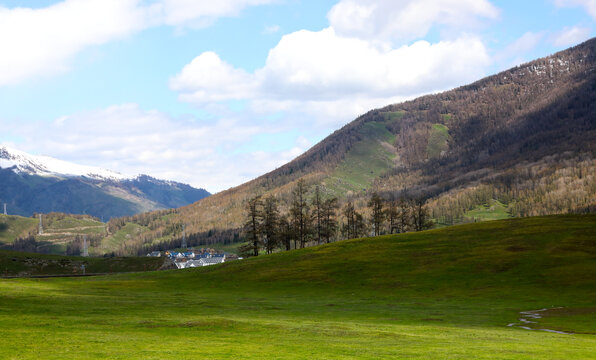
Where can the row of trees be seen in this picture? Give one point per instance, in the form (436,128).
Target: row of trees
(317,219)
(267,227)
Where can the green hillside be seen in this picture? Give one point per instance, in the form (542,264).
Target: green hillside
(514,144)
(59,231)
(12,226)
(446,293)
(16,263)
(365,161)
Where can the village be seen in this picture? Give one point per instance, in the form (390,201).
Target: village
(195,258)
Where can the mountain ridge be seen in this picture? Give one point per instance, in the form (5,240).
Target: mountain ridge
(34,183)
(521,141)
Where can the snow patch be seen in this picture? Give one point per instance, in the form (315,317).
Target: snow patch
(23,162)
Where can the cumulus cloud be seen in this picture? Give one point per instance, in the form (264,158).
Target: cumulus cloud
(391,20)
(209,79)
(316,78)
(571,36)
(39,42)
(131,140)
(588,5)
(321,71)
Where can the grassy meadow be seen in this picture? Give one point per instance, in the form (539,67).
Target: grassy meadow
(446,293)
(16,263)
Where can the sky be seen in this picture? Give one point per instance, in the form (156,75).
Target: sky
(215,93)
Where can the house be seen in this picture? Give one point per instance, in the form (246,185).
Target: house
(214,259)
(155,254)
(193,263)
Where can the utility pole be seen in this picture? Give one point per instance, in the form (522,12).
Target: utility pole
(40,225)
(85,249)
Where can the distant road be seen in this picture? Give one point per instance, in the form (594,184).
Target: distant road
(62,275)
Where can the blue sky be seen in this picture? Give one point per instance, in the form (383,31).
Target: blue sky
(216,93)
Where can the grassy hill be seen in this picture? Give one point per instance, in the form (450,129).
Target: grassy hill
(60,231)
(524,139)
(445,293)
(16,263)
(12,226)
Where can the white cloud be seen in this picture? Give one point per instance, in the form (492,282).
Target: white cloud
(211,79)
(333,76)
(271,29)
(571,36)
(390,20)
(195,13)
(588,5)
(41,42)
(131,140)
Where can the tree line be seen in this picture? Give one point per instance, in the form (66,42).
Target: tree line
(317,219)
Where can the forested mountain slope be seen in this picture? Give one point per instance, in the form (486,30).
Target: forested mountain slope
(523,140)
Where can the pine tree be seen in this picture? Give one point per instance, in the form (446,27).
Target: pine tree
(270,225)
(317,204)
(378,215)
(392,214)
(329,223)
(286,232)
(349,213)
(253,222)
(421,219)
(404,216)
(300,213)
(359,225)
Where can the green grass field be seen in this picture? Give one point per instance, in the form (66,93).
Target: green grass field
(496,210)
(440,294)
(13,263)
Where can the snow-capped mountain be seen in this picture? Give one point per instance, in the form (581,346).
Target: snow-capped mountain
(33,183)
(49,166)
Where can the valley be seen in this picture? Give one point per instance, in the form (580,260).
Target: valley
(264,179)
(445,293)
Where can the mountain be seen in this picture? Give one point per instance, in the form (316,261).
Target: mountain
(33,184)
(518,143)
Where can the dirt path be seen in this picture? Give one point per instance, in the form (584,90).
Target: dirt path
(526,319)
(51,232)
